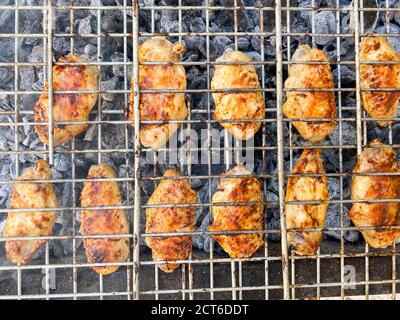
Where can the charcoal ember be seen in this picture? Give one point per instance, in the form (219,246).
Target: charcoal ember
(325,22)
(108,85)
(85,26)
(109,24)
(337,218)
(118,70)
(62,162)
(7,50)
(197,25)
(397,15)
(192,44)
(61,46)
(221,43)
(36,54)
(256,40)
(6,77)
(90,50)
(348,135)
(27,76)
(393,29)
(306,15)
(7,19)
(389,14)
(243,44)
(212,50)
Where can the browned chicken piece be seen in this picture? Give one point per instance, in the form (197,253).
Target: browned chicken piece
(171,219)
(67,107)
(241,217)
(103,222)
(30,195)
(160,106)
(379,104)
(312,104)
(307,216)
(237,105)
(384,214)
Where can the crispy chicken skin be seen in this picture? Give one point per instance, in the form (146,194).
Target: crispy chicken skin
(379,104)
(374,160)
(103,222)
(239,105)
(34,223)
(306,216)
(67,107)
(238,217)
(159,106)
(170,219)
(310,104)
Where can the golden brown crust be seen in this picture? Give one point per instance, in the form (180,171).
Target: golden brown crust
(306,216)
(34,223)
(374,160)
(159,106)
(310,104)
(240,105)
(238,217)
(170,219)
(67,107)
(103,222)
(377,103)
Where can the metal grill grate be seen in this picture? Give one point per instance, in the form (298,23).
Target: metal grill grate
(273,272)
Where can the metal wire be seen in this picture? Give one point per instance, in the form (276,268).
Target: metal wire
(140,268)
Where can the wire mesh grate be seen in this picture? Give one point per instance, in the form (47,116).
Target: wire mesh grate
(38,32)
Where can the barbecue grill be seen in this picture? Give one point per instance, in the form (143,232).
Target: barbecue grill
(36,32)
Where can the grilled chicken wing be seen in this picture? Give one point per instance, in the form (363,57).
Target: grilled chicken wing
(238,217)
(379,104)
(310,104)
(34,223)
(239,105)
(103,222)
(160,106)
(306,216)
(375,160)
(67,107)
(170,219)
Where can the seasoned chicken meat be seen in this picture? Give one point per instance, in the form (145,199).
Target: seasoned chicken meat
(374,159)
(241,217)
(237,105)
(306,216)
(67,107)
(30,195)
(103,222)
(171,219)
(379,104)
(160,106)
(312,104)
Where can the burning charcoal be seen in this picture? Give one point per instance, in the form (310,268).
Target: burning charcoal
(213,50)
(221,43)
(62,162)
(27,76)
(325,22)
(109,24)
(36,54)
(394,29)
(7,20)
(108,85)
(84,26)
(348,134)
(333,220)
(90,50)
(197,25)
(118,70)
(256,40)
(243,44)
(390,14)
